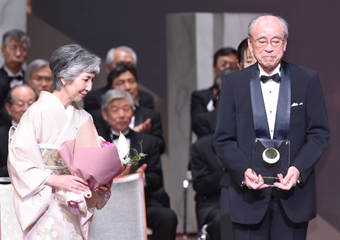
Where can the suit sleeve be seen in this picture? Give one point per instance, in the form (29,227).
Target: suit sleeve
(225,138)
(317,132)
(205,178)
(157,131)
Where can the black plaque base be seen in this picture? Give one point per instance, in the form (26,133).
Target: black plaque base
(264,163)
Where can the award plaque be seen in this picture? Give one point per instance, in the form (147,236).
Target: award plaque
(269,158)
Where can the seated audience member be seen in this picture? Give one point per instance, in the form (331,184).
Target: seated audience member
(207,171)
(245,58)
(39,76)
(144,120)
(117,110)
(15,44)
(118,56)
(18,100)
(202,100)
(204,123)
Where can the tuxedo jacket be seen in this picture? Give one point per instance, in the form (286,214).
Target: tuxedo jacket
(4,86)
(204,124)
(207,171)
(308,135)
(5,118)
(4,149)
(153,172)
(93,100)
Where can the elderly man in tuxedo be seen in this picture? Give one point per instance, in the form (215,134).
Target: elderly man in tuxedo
(286,104)
(121,55)
(18,100)
(15,45)
(117,110)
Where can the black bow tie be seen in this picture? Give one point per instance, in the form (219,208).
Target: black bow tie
(12,78)
(114,136)
(276,78)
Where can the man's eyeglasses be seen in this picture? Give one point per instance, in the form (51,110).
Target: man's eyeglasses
(15,48)
(41,78)
(262,42)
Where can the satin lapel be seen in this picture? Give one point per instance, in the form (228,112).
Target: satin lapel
(284,104)
(257,103)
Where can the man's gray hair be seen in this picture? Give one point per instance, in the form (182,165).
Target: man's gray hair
(114,94)
(34,65)
(110,55)
(17,35)
(71,60)
(283,22)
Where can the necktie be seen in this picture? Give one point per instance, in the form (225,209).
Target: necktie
(276,78)
(114,136)
(17,78)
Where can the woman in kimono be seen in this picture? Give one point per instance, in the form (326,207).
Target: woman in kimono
(49,122)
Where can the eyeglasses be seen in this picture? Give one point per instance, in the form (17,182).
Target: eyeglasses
(15,48)
(39,79)
(262,42)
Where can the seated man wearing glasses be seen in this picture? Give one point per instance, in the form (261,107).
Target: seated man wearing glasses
(39,76)
(18,100)
(15,44)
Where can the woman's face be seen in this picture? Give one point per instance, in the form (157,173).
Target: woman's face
(80,86)
(248,59)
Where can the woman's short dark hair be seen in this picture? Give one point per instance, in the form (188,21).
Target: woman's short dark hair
(119,69)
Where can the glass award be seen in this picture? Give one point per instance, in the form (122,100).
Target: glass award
(269,158)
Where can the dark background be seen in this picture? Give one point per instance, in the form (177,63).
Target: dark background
(313,42)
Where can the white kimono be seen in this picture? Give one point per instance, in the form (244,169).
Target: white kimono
(40,216)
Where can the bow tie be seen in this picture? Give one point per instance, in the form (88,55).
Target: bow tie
(276,78)
(17,78)
(114,136)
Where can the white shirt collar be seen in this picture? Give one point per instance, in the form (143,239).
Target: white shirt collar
(10,74)
(117,134)
(276,70)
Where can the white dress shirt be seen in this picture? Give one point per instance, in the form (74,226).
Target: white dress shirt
(270,92)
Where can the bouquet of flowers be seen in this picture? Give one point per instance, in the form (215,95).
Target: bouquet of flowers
(85,158)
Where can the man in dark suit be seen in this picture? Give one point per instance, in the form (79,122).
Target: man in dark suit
(119,56)
(202,101)
(250,108)
(145,120)
(207,171)
(15,45)
(117,111)
(18,100)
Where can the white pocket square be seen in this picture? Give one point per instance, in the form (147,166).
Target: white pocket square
(297,104)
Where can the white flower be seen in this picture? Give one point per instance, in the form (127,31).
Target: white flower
(122,147)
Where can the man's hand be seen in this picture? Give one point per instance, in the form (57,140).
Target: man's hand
(254,181)
(143,127)
(290,179)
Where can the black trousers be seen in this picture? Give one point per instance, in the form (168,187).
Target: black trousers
(225,221)
(162,221)
(274,226)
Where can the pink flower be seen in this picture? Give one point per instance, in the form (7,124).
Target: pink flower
(106,144)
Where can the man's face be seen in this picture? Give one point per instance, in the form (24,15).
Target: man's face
(14,54)
(120,57)
(118,115)
(224,62)
(41,80)
(126,82)
(22,98)
(267,28)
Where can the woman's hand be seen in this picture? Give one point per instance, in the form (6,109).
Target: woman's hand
(68,182)
(104,188)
